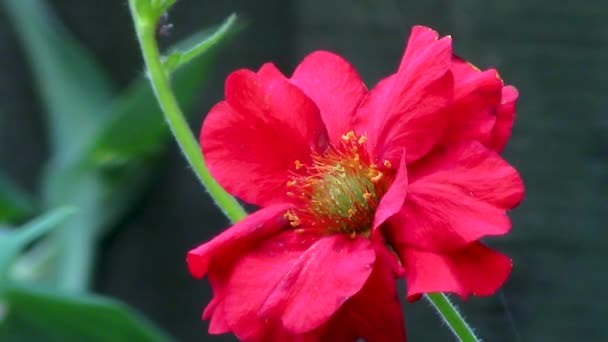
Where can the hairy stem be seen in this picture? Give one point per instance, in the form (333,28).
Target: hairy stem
(145,28)
(451,317)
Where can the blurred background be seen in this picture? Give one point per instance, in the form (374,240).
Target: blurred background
(555,53)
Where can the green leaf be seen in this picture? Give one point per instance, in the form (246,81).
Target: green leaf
(111,170)
(36,314)
(197,45)
(136,127)
(72,85)
(12,242)
(15,204)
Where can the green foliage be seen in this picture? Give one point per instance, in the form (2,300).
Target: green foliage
(15,204)
(13,242)
(135,128)
(103,150)
(197,45)
(71,83)
(105,146)
(34,314)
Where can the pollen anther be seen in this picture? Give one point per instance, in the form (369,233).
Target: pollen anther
(294,220)
(339,191)
(298,164)
(349,136)
(373,173)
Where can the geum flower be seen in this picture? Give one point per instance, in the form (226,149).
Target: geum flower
(356,188)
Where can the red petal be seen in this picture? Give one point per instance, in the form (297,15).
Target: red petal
(288,271)
(236,241)
(334,85)
(251,140)
(330,272)
(392,202)
(474,269)
(476,95)
(217,323)
(405,110)
(374,313)
(461,197)
(505,115)
(269,72)
(476,170)
(253,280)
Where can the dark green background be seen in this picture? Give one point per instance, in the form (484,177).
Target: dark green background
(554,52)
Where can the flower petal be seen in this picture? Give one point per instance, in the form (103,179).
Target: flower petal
(405,110)
(392,202)
(461,197)
(474,269)
(478,171)
(234,242)
(505,116)
(217,319)
(374,313)
(476,95)
(251,140)
(325,276)
(334,85)
(440,219)
(253,279)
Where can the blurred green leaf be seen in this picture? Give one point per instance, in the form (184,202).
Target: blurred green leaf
(136,127)
(197,45)
(103,148)
(12,242)
(15,204)
(35,314)
(73,87)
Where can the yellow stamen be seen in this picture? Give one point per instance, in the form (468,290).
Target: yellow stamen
(349,136)
(298,164)
(294,220)
(351,212)
(376,177)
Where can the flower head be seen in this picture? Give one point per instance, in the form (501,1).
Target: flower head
(356,188)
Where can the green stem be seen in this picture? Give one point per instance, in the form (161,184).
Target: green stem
(146,31)
(452,318)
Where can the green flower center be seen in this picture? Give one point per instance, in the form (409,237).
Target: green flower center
(340,191)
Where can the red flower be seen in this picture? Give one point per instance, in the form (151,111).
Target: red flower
(357,188)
